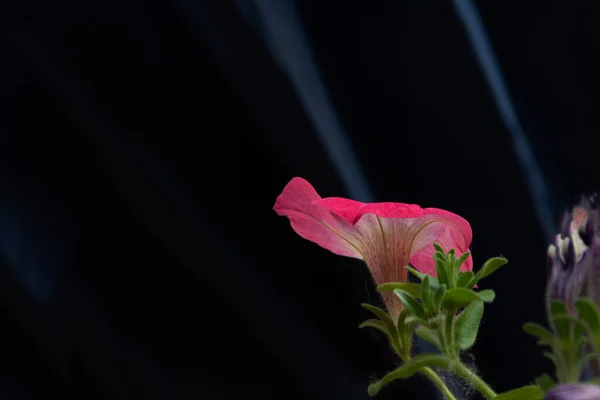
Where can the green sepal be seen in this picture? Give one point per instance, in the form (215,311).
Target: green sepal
(588,313)
(562,326)
(414,289)
(438,249)
(426,297)
(461,260)
(437,298)
(451,263)
(410,302)
(488,268)
(559,365)
(566,322)
(467,325)
(532,392)
(589,357)
(441,269)
(408,369)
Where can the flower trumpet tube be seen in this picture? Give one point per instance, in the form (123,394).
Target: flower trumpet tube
(387,236)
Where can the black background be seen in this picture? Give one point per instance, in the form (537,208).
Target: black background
(143,145)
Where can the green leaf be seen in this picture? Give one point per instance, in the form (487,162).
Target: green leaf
(562,326)
(456,298)
(488,268)
(432,280)
(414,289)
(464,278)
(440,268)
(386,319)
(426,296)
(428,335)
(408,369)
(540,332)
(467,325)
(416,273)
(589,357)
(374,323)
(403,329)
(487,295)
(588,313)
(437,298)
(532,392)
(545,382)
(410,302)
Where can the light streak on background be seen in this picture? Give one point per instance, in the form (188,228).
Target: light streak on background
(286,37)
(467,12)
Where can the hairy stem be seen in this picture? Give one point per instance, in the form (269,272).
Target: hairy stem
(474,380)
(439,382)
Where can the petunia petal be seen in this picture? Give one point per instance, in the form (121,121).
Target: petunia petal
(458,222)
(299,203)
(345,208)
(390,210)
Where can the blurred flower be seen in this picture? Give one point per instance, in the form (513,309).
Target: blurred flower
(574,258)
(574,392)
(387,236)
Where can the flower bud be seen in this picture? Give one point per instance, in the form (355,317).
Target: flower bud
(574,258)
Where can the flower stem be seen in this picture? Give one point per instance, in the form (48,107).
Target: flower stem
(451,351)
(439,382)
(474,380)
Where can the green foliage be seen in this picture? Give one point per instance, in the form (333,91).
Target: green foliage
(488,268)
(411,303)
(569,338)
(408,369)
(545,382)
(532,392)
(414,289)
(445,311)
(467,325)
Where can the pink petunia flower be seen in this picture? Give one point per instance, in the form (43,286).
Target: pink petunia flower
(387,236)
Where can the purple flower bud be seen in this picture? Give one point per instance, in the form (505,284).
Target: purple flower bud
(574,392)
(574,258)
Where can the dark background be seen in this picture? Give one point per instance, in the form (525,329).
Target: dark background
(143,145)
